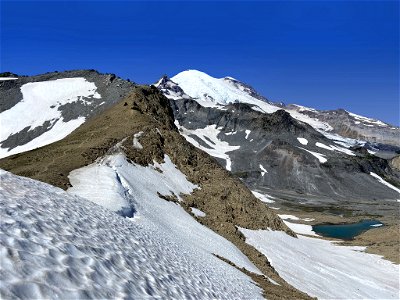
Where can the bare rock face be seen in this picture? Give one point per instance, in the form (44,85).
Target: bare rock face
(280,155)
(354,126)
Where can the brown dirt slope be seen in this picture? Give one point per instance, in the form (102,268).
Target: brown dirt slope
(225,199)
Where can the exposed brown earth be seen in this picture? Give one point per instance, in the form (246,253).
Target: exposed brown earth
(225,200)
(395,163)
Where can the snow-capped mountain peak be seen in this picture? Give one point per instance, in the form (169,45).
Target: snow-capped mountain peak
(334,124)
(170,89)
(217,92)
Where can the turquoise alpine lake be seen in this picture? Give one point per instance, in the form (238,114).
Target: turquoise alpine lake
(345,231)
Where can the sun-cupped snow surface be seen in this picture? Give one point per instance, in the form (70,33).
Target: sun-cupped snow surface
(209,136)
(325,270)
(57,245)
(381,180)
(142,186)
(302,141)
(107,184)
(39,105)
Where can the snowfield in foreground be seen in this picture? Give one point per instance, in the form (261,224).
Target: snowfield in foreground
(325,270)
(57,245)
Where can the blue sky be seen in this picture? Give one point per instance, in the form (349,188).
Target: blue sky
(321,54)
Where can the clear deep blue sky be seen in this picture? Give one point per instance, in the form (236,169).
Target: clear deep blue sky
(320,54)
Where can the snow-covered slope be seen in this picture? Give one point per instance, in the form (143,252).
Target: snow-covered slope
(39,110)
(325,270)
(39,107)
(138,188)
(57,245)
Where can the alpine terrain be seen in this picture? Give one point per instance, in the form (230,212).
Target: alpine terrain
(191,188)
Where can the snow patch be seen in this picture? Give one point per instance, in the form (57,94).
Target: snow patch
(289,217)
(318,144)
(8,78)
(300,228)
(216,147)
(230,133)
(247,133)
(263,170)
(263,197)
(325,270)
(381,180)
(335,148)
(320,156)
(302,141)
(198,212)
(136,143)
